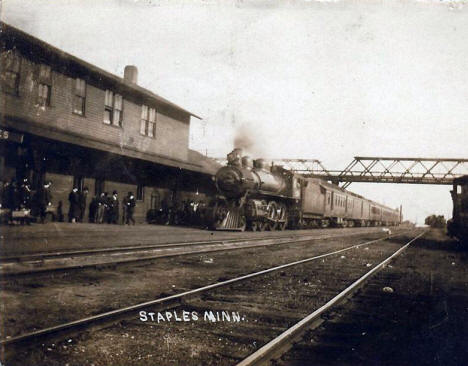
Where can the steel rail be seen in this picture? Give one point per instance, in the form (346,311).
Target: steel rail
(166,302)
(264,241)
(270,350)
(59,254)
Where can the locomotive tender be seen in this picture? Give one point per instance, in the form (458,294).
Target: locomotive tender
(458,225)
(255,196)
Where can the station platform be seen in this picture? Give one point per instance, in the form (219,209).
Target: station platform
(37,238)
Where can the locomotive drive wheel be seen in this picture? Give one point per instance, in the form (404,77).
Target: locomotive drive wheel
(272,210)
(243,224)
(272,226)
(282,225)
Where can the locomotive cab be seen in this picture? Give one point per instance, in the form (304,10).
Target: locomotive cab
(458,225)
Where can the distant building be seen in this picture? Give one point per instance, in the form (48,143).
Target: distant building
(65,120)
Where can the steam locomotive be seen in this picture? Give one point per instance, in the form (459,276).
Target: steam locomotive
(458,225)
(255,196)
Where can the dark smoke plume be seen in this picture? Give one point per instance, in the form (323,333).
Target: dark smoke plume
(243,139)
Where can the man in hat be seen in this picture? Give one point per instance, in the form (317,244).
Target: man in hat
(114,208)
(102,208)
(129,204)
(43,199)
(25,194)
(74,210)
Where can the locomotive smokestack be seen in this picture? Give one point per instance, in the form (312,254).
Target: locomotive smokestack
(234,157)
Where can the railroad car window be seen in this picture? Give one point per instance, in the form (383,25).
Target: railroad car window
(11,73)
(79,98)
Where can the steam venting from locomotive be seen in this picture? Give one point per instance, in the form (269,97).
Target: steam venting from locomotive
(244,140)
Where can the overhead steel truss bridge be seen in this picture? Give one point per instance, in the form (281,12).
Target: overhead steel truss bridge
(381,170)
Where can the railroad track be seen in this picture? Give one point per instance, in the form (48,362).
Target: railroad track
(290,337)
(241,291)
(29,264)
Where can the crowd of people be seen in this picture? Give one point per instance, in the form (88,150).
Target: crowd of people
(21,203)
(104,208)
(187,212)
(19,197)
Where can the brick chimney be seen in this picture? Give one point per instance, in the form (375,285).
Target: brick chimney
(131,74)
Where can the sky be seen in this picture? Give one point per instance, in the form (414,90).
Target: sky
(325,80)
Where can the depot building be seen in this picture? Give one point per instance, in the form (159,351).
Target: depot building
(70,122)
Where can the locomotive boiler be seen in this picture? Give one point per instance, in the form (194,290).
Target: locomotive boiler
(253,195)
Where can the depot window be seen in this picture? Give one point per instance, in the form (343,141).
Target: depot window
(140,193)
(148,121)
(11,73)
(98,186)
(45,86)
(79,97)
(113,109)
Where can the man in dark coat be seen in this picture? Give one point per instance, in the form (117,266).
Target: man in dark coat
(42,199)
(74,210)
(11,193)
(129,204)
(82,198)
(93,209)
(108,209)
(102,208)
(25,194)
(114,208)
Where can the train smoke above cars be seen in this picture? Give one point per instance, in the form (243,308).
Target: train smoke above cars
(243,140)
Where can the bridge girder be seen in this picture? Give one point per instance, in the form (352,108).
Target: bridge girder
(406,170)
